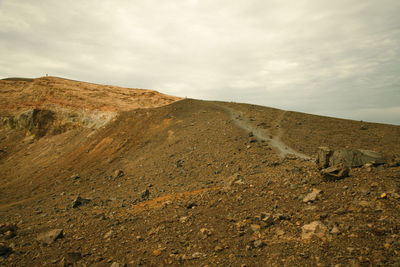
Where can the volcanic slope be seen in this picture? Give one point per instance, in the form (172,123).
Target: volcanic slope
(197,183)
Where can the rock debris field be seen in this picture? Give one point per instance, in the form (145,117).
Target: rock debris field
(94,175)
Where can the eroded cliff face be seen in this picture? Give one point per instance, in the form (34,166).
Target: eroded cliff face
(51,105)
(41,122)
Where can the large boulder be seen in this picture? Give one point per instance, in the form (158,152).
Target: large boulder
(348,157)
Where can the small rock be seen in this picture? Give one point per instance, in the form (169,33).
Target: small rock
(157,252)
(78,201)
(50,236)
(197,255)
(363,127)
(316,228)
(311,197)
(145,194)
(205,232)
(235,179)
(258,243)
(9,234)
(75,176)
(364,204)
(118,174)
(108,234)
(340,211)
(255,228)
(4,250)
(267,218)
(183,219)
(116,264)
(335,173)
(218,249)
(191,205)
(335,230)
(253,140)
(73,256)
(6,227)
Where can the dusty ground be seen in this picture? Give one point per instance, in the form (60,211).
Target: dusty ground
(188,184)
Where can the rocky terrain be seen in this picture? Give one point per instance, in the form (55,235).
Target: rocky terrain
(95,175)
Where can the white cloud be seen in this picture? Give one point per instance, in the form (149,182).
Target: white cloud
(325,57)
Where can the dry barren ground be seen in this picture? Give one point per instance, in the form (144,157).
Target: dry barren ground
(193,183)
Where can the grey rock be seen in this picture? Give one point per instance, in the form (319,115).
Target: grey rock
(348,157)
(50,236)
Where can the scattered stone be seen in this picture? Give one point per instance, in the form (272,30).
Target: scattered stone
(183,219)
(9,234)
(108,234)
(340,211)
(118,174)
(8,230)
(205,232)
(73,256)
(363,127)
(281,217)
(116,264)
(50,236)
(316,228)
(267,218)
(364,204)
(197,255)
(4,250)
(79,201)
(235,179)
(255,228)
(258,243)
(335,173)
(311,197)
(191,205)
(75,176)
(145,194)
(218,249)
(335,230)
(156,252)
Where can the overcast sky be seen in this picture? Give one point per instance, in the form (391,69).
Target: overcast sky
(338,58)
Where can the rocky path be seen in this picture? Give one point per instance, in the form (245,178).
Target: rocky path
(274,139)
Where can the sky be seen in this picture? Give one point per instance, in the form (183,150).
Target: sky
(336,58)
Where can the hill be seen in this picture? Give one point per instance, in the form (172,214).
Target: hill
(140,178)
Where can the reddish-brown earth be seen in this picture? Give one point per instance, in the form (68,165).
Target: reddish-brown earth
(170,183)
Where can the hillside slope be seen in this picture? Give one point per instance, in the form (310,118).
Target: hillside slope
(197,183)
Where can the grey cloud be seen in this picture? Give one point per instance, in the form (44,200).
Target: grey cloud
(336,58)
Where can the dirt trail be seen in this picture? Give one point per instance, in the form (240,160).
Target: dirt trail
(274,139)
